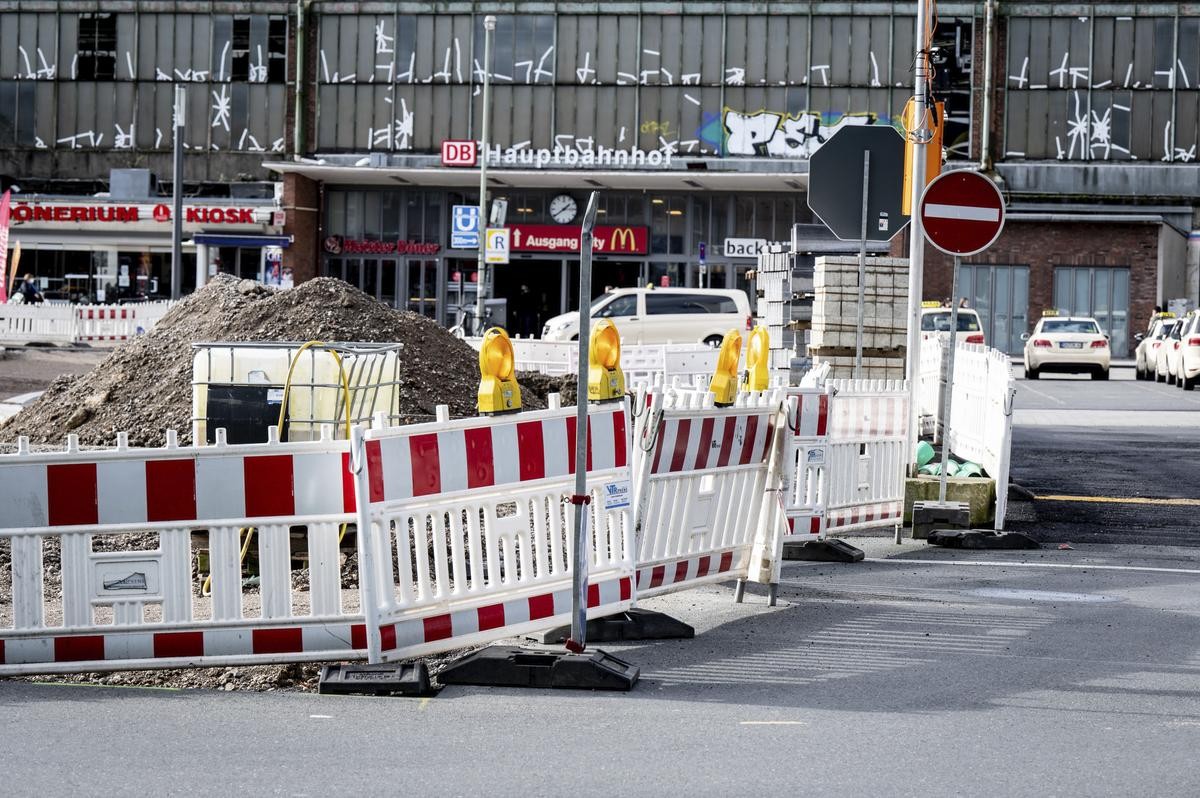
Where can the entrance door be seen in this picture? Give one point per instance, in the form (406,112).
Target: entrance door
(1101,292)
(1001,296)
(421,283)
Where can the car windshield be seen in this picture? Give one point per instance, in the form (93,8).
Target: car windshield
(623,305)
(968,321)
(1070,326)
(1164,329)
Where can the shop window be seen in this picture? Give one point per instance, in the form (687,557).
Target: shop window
(97,47)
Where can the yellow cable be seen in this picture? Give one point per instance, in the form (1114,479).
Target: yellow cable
(206,588)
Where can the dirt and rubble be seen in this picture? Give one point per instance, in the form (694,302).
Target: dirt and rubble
(144,387)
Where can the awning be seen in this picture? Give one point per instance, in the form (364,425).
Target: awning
(214,240)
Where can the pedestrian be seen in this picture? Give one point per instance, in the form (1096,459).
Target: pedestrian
(29,290)
(962,303)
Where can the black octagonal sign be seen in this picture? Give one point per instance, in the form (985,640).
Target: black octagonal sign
(835,182)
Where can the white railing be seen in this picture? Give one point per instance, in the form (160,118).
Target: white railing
(981,415)
(929,385)
(643,364)
(64,324)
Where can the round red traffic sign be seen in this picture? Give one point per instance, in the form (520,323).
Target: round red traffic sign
(962,212)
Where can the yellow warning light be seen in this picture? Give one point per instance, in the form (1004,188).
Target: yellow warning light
(755,378)
(724,381)
(931,303)
(606,381)
(498,389)
(1050,312)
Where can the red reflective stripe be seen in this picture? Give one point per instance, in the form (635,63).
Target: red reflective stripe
(71,494)
(814,526)
(178,644)
(588,457)
(767,443)
(491,617)
(2,650)
(593,598)
(703,565)
(572,427)
(823,415)
(726,562)
(439,627)
(347,485)
(681,569)
(683,429)
(657,574)
(79,649)
(626,593)
(277,641)
(747,455)
(541,607)
(706,433)
(269,485)
(658,447)
(727,442)
(358,636)
(481,472)
(619,437)
(531,452)
(170,490)
(792,526)
(426,464)
(375,471)
(387,638)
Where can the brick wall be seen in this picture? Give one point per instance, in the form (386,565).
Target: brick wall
(301,201)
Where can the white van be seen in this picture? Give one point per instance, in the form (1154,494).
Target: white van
(662,315)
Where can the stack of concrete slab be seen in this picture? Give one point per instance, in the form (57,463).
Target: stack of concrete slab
(885,316)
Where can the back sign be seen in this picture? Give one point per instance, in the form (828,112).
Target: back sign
(962,212)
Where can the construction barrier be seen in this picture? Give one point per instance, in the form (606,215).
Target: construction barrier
(930,368)
(707,479)
(642,364)
(131,602)
(64,324)
(981,415)
(466,527)
(805,459)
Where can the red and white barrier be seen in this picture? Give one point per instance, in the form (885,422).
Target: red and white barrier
(706,495)
(62,323)
(467,533)
(806,460)
(127,608)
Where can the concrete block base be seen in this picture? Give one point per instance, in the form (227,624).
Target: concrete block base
(930,516)
(978,492)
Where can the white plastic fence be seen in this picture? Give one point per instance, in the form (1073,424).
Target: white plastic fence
(929,385)
(981,415)
(126,606)
(643,364)
(807,450)
(468,532)
(64,324)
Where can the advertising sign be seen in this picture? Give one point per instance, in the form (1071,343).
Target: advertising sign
(497,245)
(607,239)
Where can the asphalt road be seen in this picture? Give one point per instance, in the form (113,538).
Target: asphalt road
(1124,451)
(925,676)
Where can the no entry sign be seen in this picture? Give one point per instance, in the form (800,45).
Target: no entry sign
(962,212)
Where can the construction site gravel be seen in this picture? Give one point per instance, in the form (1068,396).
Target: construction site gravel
(144,387)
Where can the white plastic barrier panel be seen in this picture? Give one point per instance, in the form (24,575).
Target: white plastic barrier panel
(981,415)
(866,458)
(706,498)
(105,322)
(40,324)
(805,456)
(467,528)
(62,323)
(124,605)
(929,385)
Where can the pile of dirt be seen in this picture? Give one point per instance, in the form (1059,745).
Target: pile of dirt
(145,386)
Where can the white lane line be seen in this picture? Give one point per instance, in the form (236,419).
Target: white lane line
(1017,564)
(1030,388)
(772,723)
(969,213)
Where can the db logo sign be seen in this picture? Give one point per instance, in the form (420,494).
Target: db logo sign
(458,153)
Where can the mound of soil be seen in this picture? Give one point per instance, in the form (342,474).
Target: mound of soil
(145,386)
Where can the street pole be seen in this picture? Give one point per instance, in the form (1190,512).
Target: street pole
(482,281)
(177,198)
(579,572)
(916,238)
(948,388)
(862,268)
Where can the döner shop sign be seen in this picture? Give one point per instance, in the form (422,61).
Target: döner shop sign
(337,245)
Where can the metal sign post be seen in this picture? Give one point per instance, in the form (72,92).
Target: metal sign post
(862,267)
(177,201)
(948,388)
(577,642)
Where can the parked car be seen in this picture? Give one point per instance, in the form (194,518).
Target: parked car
(1073,344)
(1150,342)
(936,319)
(1170,344)
(662,315)
(1187,366)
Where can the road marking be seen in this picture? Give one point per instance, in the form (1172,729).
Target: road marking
(772,723)
(322,717)
(1029,387)
(1054,497)
(1018,564)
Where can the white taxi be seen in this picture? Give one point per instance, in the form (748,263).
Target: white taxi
(935,319)
(1066,344)
(1170,345)
(1150,342)
(1187,367)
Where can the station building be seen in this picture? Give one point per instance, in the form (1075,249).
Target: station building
(695,121)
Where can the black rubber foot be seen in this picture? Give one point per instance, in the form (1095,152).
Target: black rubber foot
(635,624)
(832,550)
(981,539)
(501,666)
(386,679)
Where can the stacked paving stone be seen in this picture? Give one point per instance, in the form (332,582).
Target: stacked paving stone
(835,313)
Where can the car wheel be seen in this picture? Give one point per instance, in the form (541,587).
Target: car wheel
(1187,384)
(714,341)
(1031,374)
(1158,377)
(1140,373)
(1100,374)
